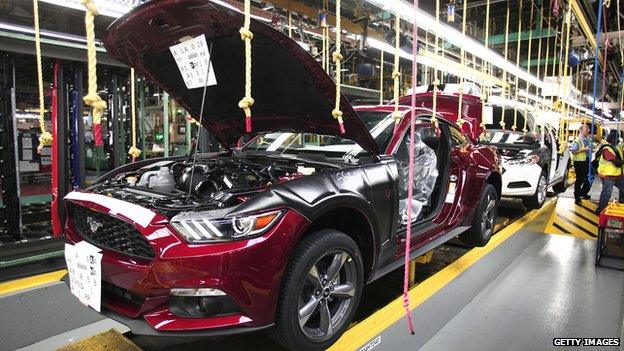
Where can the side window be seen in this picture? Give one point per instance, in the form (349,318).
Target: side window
(426,134)
(458,138)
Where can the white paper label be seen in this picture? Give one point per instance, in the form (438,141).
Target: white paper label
(450,195)
(84,263)
(193,58)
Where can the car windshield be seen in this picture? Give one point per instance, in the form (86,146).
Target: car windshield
(379,124)
(508,137)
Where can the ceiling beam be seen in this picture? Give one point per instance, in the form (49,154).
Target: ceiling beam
(535,34)
(303,9)
(587,31)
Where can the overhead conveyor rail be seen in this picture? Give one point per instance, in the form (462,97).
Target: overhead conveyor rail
(320,175)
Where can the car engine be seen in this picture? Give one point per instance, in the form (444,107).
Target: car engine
(171,187)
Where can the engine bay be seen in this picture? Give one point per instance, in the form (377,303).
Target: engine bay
(171,186)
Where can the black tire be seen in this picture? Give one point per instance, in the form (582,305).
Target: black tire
(537,200)
(316,253)
(484,219)
(563,185)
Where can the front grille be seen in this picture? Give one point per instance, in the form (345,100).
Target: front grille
(109,232)
(122,293)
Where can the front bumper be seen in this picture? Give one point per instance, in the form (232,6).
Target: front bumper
(248,271)
(139,326)
(520,180)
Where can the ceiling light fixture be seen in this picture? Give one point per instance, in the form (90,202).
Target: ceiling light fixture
(432,60)
(455,37)
(108,8)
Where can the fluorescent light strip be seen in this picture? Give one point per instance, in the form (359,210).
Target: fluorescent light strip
(500,101)
(455,37)
(105,8)
(45,33)
(432,60)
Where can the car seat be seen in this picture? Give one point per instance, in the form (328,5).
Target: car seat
(426,145)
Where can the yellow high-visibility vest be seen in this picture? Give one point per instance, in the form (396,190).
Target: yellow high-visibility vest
(607,168)
(579,156)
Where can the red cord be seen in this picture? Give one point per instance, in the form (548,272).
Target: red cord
(410,183)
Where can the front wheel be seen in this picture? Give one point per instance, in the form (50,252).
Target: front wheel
(484,220)
(538,199)
(320,291)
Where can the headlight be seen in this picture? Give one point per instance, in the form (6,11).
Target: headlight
(529,160)
(201,230)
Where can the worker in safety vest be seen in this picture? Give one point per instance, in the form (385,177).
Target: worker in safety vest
(580,149)
(610,170)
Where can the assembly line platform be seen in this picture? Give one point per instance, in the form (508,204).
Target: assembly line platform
(533,282)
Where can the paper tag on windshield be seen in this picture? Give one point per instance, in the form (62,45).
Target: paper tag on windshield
(193,58)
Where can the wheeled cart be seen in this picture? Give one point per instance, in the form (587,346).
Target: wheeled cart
(610,243)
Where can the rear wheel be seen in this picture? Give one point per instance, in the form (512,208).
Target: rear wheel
(538,199)
(484,220)
(320,291)
(565,182)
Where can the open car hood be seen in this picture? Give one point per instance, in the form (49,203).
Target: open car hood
(291,90)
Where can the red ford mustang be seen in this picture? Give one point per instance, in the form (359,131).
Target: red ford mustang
(282,233)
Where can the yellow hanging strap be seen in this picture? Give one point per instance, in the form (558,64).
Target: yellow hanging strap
(547,45)
(484,63)
(426,49)
(515,122)
(436,81)
(528,85)
(554,67)
(46,138)
(289,24)
(326,6)
(246,35)
(566,106)
(460,120)
(92,98)
(324,36)
(396,74)
(381,79)
(337,58)
(134,150)
(539,46)
(504,92)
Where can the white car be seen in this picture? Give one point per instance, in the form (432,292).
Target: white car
(531,163)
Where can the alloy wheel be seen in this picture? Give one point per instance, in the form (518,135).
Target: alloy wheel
(542,190)
(326,295)
(488,218)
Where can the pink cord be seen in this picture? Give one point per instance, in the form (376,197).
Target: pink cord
(248,124)
(341,127)
(410,183)
(604,71)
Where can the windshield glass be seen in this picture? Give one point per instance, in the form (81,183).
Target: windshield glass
(379,124)
(507,137)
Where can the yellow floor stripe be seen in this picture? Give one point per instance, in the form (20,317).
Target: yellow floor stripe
(592,205)
(575,232)
(372,326)
(571,219)
(587,223)
(31,282)
(587,214)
